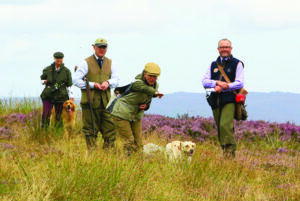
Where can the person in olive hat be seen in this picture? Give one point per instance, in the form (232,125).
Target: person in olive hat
(128,110)
(58,88)
(102,76)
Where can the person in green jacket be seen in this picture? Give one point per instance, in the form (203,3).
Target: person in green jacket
(128,111)
(58,88)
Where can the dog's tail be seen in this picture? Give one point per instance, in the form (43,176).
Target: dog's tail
(151,148)
(53,116)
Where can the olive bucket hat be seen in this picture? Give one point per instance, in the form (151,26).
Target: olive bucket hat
(152,69)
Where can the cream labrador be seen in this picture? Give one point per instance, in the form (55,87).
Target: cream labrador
(175,151)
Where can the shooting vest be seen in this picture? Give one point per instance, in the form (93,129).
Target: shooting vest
(95,74)
(219,100)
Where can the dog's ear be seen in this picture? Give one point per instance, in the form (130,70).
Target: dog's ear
(180,145)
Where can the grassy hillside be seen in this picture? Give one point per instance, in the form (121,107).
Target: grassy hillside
(38,165)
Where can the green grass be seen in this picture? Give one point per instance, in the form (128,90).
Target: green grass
(20,105)
(35,167)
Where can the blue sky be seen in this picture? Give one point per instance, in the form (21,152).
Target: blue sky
(180,36)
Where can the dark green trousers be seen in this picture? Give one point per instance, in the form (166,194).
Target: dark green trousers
(224,120)
(130,134)
(103,124)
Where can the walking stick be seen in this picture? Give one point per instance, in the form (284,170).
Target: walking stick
(90,102)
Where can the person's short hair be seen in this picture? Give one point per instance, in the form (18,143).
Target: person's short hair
(224,39)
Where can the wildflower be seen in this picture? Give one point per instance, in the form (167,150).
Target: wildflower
(282,150)
(5,132)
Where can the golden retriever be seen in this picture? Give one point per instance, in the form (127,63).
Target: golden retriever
(68,118)
(175,151)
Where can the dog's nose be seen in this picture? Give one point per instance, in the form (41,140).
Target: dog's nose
(69,107)
(192,151)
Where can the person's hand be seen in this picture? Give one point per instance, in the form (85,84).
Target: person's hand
(72,99)
(104,85)
(97,86)
(218,89)
(159,94)
(223,85)
(45,81)
(143,106)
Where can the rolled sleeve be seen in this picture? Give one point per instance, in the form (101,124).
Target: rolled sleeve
(78,78)
(70,92)
(114,80)
(207,82)
(239,78)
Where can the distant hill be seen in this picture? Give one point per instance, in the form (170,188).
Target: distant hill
(273,107)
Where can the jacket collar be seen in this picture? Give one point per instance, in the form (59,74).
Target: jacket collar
(219,60)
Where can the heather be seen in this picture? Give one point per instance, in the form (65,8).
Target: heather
(204,129)
(41,165)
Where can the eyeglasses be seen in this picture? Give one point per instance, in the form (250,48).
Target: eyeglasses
(224,47)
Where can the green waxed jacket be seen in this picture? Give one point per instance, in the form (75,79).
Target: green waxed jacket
(63,79)
(127,107)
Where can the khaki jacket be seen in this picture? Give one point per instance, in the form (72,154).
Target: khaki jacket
(127,107)
(57,82)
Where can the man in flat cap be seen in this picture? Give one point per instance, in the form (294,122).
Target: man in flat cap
(102,76)
(58,88)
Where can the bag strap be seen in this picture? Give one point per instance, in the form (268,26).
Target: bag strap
(225,76)
(242,90)
(127,91)
(223,73)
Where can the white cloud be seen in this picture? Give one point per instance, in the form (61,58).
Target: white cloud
(114,15)
(266,13)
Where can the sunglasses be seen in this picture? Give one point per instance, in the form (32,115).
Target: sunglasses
(102,47)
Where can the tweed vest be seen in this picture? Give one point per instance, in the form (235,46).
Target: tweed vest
(216,99)
(95,74)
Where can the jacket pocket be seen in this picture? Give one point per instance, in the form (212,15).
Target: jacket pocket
(46,93)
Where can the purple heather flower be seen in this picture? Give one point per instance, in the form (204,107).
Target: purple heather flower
(203,128)
(282,150)
(6,132)
(7,146)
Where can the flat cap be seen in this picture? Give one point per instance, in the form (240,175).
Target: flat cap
(152,69)
(100,42)
(58,55)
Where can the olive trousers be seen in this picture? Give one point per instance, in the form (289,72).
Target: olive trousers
(103,122)
(224,118)
(130,134)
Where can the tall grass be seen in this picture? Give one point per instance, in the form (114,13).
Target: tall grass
(19,105)
(65,170)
